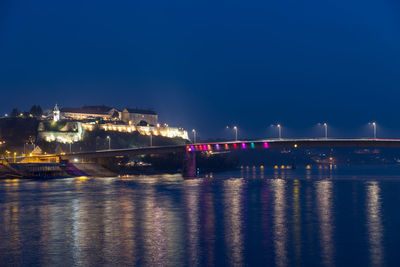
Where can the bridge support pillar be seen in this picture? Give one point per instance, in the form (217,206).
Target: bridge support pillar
(189,165)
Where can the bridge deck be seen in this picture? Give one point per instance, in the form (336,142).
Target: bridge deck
(232,145)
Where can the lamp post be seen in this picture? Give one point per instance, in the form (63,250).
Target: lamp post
(194,136)
(151,139)
(326,130)
(236,132)
(70,147)
(279,131)
(109,142)
(374,128)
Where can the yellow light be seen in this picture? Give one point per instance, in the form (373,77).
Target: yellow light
(295,145)
(283,166)
(276,167)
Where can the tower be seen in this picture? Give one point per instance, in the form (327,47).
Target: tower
(56,113)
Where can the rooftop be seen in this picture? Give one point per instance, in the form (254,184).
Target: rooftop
(141,111)
(100,110)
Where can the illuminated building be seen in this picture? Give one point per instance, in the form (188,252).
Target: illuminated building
(56,113)
(67,132)
(139,117)
(90,112)
(163,130)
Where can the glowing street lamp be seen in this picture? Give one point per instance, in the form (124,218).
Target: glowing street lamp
(109,142)
(236,132)
(151,139)
(194,136)
(374,128)
(279,130)
(326,130)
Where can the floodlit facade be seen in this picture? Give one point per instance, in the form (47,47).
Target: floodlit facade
(67,125)
(90,112)
(56,113)
(139,117)
(165,131)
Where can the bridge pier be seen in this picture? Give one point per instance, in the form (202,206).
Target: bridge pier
(189,165)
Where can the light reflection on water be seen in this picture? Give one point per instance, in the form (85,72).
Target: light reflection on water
(326,222)
(280,222)
(232,189)
(275,217)
(374,223)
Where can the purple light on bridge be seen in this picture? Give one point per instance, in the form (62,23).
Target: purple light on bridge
(217,146)
(244,145)
(266,145)
(204,147)
(192,148)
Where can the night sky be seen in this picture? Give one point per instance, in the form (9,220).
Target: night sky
(209,64)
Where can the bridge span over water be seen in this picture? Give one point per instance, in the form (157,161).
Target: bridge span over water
(189,165)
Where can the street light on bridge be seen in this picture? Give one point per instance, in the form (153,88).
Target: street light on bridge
(325,129)
(109,142)
(374,128)
(194,136)
(236,132)
(279,131)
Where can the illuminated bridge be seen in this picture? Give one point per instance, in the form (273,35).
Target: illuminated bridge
(189,164)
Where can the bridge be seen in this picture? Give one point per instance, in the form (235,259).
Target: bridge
(189,164)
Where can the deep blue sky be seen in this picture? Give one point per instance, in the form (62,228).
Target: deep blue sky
(208,64)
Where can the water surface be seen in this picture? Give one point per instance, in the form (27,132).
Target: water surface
(256,216)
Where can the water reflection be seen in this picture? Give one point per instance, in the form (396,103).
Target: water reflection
(233,221)
(191,194)
(279,221)
(374,223)
(168,221)
(208,225)
(324,207)
(297,220)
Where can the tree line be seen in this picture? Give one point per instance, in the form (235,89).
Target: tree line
(35,111)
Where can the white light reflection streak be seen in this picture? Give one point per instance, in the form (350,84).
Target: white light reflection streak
(324,207)
(374,224)
(193,222)
(280,223)
(233,221)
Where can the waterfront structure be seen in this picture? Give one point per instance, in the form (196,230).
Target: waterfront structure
(91,113)
(139,117)
(68,125)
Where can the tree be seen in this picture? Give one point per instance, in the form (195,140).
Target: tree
(115,115)
(36,111)
(15,113)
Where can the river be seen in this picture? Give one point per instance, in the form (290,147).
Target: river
(256,216)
